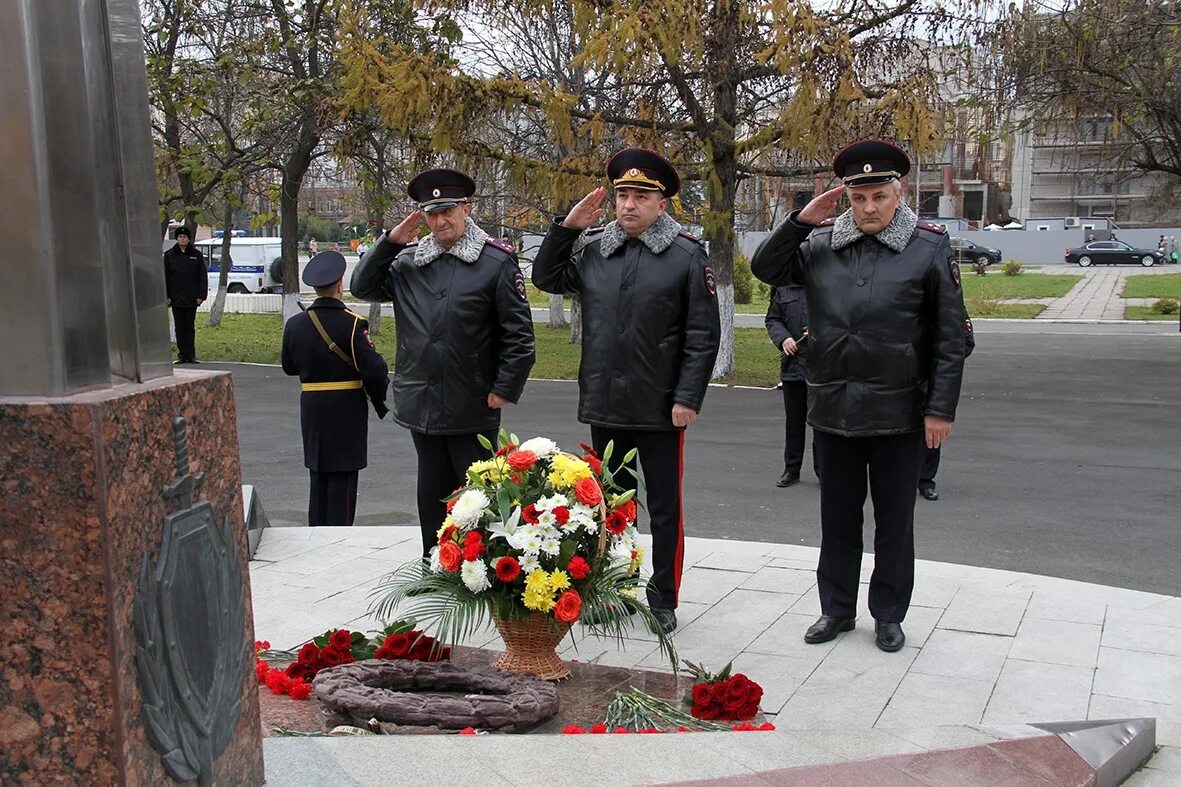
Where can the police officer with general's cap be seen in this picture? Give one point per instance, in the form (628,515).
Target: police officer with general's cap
(885,362)
(465,333)
(329,347)
(650,333)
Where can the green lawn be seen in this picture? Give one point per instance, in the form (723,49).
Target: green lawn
(984,307)
(1165,285)
(256,338)
(1028,285)
(1146,313)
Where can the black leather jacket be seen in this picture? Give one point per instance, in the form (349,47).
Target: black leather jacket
(650,325)
(186,280)
(464,330)
(886,329)
(787,317)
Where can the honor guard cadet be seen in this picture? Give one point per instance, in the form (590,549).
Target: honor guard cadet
(650,332)
(885,362)
(465,333)
(328,346)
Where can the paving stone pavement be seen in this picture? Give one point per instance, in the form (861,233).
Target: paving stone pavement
(1097,296)
(988,652)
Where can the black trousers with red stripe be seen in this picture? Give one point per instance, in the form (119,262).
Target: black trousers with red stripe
(661,457)
(333,498)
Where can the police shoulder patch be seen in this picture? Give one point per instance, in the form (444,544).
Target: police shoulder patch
(968,325)
(368,340)
(519,284)
(710,283)
(931,226)
(500,243)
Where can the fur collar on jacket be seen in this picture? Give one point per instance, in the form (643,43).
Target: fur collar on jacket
(468,248)
(657,237)
(895,236)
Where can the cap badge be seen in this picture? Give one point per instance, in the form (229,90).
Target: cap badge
(867,168)
(633,172)
(436,192)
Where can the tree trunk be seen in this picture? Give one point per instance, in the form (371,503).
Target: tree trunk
(218,307)
(575,320)
(294,169)
(557,312)
(374,319)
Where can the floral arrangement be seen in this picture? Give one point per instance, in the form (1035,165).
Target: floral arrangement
(533,531)
(722,696)
(399,640)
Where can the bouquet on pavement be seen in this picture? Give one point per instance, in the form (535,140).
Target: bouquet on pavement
(722,696)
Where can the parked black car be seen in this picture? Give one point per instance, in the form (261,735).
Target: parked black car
(967,252)
(1112,252)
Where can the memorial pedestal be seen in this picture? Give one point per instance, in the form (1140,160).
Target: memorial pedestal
(83,523)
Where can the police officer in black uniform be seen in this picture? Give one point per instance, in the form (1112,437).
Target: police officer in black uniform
(465,333)
(931,461)
(885,363)
(186,282)
(787,325)
(328,346)
(650,332)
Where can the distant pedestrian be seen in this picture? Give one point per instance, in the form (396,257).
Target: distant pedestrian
(1162,245)
(931,460)
(186,284)
(312,247)
(787,325)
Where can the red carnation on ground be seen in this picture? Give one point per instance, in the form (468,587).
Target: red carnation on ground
(450,556)
(573,729)
(341,638)
(569,607)
(261,645)
(262,668)
(598,729)
(616,523)
(529,514)
(300,690)
(521,460)
(278,682)
(561,515)
(467,731)
(588,492)
(577,568)
(508,568)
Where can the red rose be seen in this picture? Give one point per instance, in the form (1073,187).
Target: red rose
(616,524)
(706,712)
(445,655)
(754,693)
(733,706)
(578,568)
(588,492)
(508,568)
(569,606)
(450,556)
(596,465)
(702,694)
(748,712)
(297,671)
(398,645)
(422,649)
(300,691)
(506,449)
(308,654)
(562,515)
(341,638)
(333,656)
(262,668)
(628,510)
(382,653)
(278,682)
(598,729)
(529,514)
(521,460)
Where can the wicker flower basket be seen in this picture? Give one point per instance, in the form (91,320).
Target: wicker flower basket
(530,646)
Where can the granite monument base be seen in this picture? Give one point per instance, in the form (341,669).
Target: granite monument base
(126,609)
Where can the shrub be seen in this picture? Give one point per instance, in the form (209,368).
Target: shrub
(1012,268)
(1166,306)
(744,280)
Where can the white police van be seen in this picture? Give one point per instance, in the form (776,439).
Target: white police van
(255,264)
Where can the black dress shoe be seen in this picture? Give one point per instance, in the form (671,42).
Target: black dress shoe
(889,635)
(666,619)
(788,479)
(827,628)
(929,494)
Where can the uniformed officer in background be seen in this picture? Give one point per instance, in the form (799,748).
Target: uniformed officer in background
(931,460)
(650,332)
(328,346)
(787,325)
(885,364)
(465,333)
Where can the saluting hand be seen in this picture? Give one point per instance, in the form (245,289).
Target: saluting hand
(821,207)
(407,231)
(587,211)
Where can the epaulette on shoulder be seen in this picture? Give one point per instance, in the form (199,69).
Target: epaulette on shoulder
(593,230)
(353,313)
(931,226)
(689,236)
(501,244)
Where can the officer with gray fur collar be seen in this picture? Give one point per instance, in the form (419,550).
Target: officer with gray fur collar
(650,334)
(885,362)
(465,333)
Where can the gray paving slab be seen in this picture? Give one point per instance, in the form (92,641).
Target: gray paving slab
(963,654)
(1032,692)
(1057,642)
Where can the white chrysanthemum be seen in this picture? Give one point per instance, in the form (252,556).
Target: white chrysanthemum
(547,519)
(527,539)
(541,447)
(620,551)
(569,526)
(436,566)
(469,508)
(475,575)
(584,516)
(530,563)
(551,546)
(552,502)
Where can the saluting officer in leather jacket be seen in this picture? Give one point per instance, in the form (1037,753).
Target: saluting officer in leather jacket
(465,333)
(650,332)
(885,361)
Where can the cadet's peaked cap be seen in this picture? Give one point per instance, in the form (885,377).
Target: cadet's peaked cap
(870,161)
(324,270)
(440,189)
(640,168)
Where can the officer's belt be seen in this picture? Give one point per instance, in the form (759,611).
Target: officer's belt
(344,385)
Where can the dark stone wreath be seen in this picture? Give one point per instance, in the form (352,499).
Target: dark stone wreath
(423,693)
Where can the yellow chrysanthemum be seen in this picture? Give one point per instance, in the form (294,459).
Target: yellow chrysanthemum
(559,580)
(567,470)
(541,601)
(491,470)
